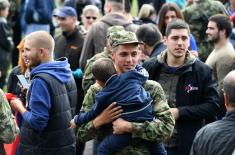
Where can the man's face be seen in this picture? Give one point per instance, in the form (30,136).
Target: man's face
(67,24)
(177,42)
(31,54)
(126,57)
(212,32)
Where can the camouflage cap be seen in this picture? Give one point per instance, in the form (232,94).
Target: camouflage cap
(123,37)
(114,29)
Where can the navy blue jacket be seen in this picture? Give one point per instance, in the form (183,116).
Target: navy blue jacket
(127,90)
(39,11)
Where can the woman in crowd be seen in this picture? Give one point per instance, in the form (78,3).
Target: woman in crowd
(169,12)
(90,15)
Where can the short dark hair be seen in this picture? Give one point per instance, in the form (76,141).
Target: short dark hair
(229,88)
(116,4)
(223,23)
(176,24)
(103,69)
(149,34)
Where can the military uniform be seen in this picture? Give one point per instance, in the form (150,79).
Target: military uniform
(88,78)
(197,16)
(8,128)
(158,130)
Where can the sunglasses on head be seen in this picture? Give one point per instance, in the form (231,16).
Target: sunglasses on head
(89,17)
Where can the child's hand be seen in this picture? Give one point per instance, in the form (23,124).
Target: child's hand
(72,123)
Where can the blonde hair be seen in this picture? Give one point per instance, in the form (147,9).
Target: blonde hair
(21,63)
(146,11)
(91,8)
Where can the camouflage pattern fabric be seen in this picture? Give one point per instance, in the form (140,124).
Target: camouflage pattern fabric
(88,78)
(114,29)
(123,37)
(158,130)
(197,16)
(8,128)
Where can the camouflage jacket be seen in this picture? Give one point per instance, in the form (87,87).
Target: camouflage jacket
(88,78)
(8,128)
(197,16)
(158,130)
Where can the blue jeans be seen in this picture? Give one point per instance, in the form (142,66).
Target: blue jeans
(37,27)
(114,143)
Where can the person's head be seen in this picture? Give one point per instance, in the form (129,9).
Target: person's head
(147,11)
(168,12)
(149,35)
(103,69)
(177,38)
(90,14)
(67,17)
(125,50)
(229,89)
(113,6)
(38,48)
(219,27)
(21,61)
(4,8)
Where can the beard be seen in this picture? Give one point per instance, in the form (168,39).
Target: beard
(215,39)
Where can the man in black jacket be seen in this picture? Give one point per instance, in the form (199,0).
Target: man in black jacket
(219,137)
(188,86)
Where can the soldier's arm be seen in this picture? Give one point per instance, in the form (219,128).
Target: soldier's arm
(8,128)
(89,130)
(162,127)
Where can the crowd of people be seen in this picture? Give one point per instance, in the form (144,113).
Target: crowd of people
(160,83)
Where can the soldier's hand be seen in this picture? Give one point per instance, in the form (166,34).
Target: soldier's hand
(111,113)
(175,112)
(121,126)
(72,123)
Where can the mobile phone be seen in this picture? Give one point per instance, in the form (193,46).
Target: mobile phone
(23,81)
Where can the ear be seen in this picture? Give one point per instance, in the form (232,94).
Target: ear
(107,7)
(223,32)
(42,52)
(165,40)
(225,100)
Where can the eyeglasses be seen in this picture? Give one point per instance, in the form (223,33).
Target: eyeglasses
(89,17)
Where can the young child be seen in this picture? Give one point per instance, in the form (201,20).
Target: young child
(125,89)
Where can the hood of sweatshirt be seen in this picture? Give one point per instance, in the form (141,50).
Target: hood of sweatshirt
(189,60)
(115,19)
(60,69)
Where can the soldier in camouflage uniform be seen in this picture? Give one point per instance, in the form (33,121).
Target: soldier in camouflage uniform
(158,130)
(88,78)
(8,128)
(197,15)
